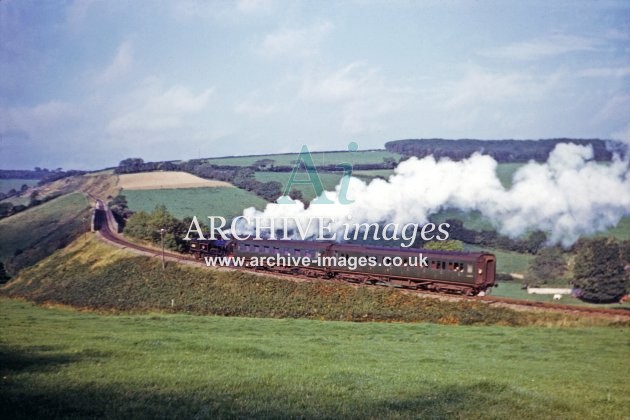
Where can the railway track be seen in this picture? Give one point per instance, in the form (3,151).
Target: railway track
(104,222)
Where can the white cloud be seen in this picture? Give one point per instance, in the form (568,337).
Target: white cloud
(349,82)
(606,72)
(39,119)
(254,108)
(481,87)
(617,107)
(119,65)
(253,6)
(153,108)
(77,12)
(622,134)
(542,48)
(295,42)
(363,94)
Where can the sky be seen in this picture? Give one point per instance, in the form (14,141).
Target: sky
(86,84)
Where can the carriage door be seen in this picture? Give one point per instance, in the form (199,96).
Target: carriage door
(490,267)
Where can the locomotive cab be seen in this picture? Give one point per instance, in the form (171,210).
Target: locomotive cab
(208,247)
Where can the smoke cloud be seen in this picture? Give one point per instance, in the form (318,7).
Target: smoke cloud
(568,196)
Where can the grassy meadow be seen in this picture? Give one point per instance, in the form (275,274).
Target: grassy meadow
(201,202)
(57,362)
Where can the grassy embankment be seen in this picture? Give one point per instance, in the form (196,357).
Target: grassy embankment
(57,362)
(34,234)
(95,275)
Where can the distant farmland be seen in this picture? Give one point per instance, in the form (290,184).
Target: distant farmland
(160,180)
(201,202)
(319,158)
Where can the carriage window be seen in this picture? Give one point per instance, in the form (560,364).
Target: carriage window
(297,252)
(450,266)
(255,248)
(469,268)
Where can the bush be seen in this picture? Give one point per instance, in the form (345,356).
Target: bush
(147,226)
(599,273)
(548,264)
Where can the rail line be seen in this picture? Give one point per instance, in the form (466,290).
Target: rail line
(104,220)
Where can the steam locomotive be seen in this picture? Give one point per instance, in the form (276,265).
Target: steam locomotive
(469,273)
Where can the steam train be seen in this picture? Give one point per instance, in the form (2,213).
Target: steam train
(467,273)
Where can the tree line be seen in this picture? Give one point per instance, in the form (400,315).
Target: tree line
(503,151)
(42,174)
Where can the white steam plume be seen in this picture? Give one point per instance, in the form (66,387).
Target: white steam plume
(568,196)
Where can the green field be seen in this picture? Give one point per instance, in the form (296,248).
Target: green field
(621,231)
(319,158)
(505,172)
(514,290)
(61,363)
(507,261)
(37,232)
(329,181)
(7,185)
(375,173)
(201,202)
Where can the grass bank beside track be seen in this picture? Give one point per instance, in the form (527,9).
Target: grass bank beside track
(58,362)
(92,274)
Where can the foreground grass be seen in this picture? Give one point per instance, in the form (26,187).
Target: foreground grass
(61,363)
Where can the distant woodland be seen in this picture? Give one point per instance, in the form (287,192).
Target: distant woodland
(43,174)
(503,151)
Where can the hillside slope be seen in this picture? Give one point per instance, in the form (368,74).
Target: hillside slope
(92,274)
(34,234)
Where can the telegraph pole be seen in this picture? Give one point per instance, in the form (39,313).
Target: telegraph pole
(162,240)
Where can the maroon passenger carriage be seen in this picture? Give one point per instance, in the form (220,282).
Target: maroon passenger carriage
(467,273)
